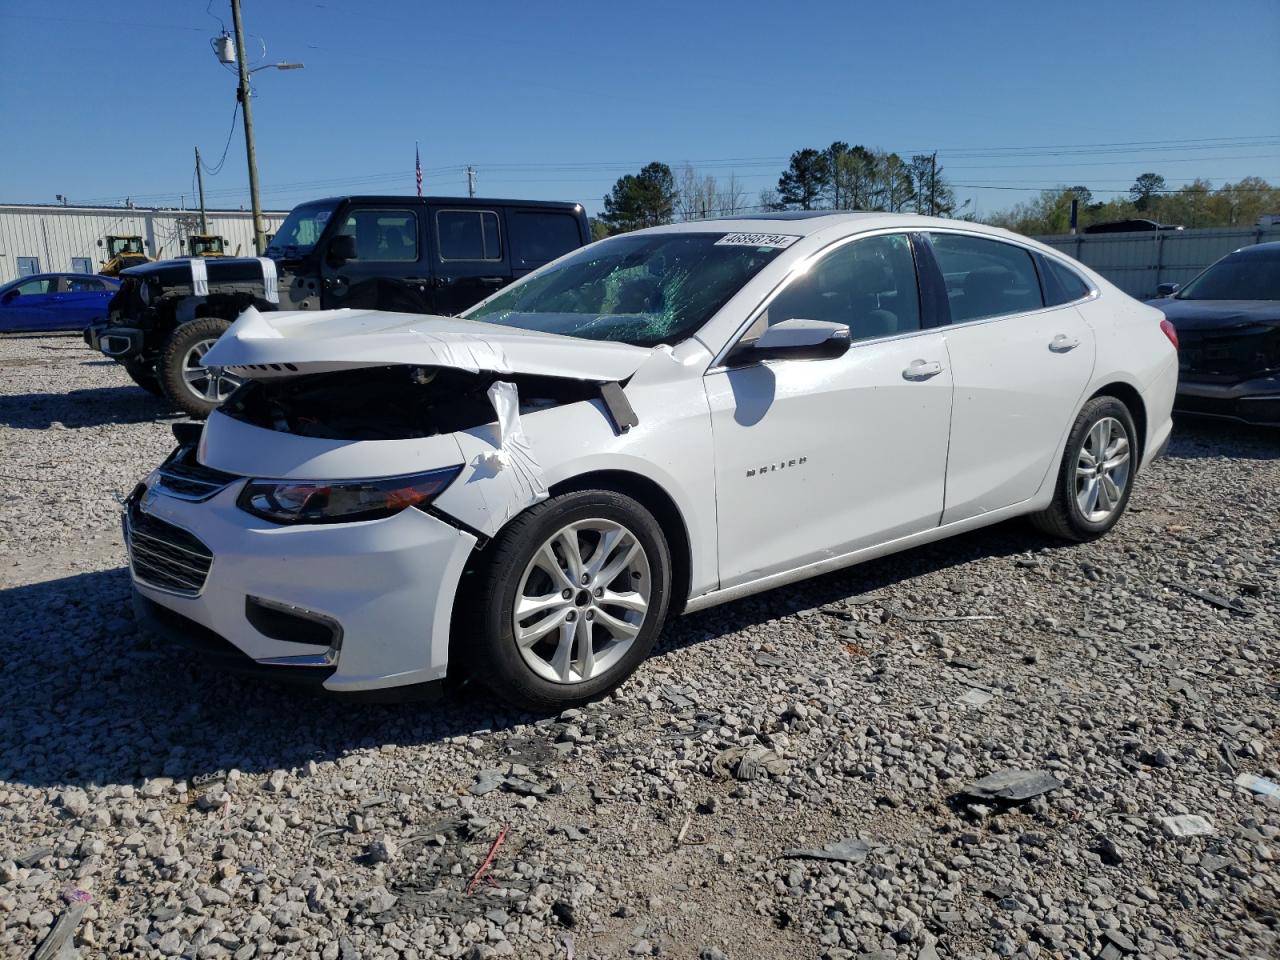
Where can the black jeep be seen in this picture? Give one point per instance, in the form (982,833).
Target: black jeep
(435,255)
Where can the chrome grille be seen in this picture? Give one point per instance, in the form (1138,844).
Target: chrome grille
(165,556)
(185,478)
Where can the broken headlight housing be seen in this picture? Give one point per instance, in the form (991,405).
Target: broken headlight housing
(324,501)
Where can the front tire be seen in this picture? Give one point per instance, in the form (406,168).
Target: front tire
(186,382)
(1096,474)
(143,373)
(569,602)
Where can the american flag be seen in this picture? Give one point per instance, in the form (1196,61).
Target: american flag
(417,168)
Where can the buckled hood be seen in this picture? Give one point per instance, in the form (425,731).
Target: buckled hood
(287,343)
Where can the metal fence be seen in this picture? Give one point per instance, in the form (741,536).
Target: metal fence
(1138,263)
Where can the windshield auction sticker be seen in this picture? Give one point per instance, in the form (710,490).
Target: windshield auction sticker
(779,240)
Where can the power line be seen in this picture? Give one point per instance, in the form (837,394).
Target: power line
(217,167)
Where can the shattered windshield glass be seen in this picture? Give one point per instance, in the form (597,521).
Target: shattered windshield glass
(300,230)
(643,290)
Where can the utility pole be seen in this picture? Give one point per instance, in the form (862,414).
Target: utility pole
(933,184)
(242,94)
(471,181)
(204,222)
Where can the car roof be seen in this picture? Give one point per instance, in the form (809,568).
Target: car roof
(806,223)
(1262,250)
(451,201)
(54,275)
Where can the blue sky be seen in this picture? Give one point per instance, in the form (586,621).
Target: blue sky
(556,100)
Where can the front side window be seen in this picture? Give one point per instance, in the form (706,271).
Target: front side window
(868,285)
(468,235)
(640,289)
(383,236)
(538,238)
(301,230)
(1240,276)
(986,278)
(33,287)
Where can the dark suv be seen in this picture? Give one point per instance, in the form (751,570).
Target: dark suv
(435,255)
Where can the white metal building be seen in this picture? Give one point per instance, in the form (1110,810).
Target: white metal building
(45,239)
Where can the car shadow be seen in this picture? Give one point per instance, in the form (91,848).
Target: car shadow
(1010,538)
(89,407)
(88,699)
(1197,438)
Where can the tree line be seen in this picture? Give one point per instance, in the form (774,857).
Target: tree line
(1197,204)
(840,177)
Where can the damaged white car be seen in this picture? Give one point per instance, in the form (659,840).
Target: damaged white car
(655,423)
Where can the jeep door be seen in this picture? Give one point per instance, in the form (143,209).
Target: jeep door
(390,270)
(818,458)
(471,258)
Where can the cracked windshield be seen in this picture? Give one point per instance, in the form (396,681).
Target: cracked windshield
(642,290)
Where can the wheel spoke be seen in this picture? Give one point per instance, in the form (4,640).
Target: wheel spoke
(527,606)
(211,390)
(1087,458)
(528,636)
(1091,496)
(1112,491)
(568,540)
(608,542)
(193,375)
(620,562)
(621,629)
(631,600)
(546,561)
(562,663)
(586,650)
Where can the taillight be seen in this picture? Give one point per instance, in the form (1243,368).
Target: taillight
(1170,331)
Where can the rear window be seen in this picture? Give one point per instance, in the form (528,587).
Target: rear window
(538,238)
(986,278)
(1063,284)
(468,235)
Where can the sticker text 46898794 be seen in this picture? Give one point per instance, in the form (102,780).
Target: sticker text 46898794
(779,240)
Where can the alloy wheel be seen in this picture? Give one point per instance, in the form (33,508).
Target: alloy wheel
(1102,469)
(205,384)
(581,601)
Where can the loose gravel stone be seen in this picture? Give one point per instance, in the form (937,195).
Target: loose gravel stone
(213,817)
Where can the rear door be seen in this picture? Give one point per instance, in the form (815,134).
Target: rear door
(1020,371)
(391,268)
(470,256)
(80,300)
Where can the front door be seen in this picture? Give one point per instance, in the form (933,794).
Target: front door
(28,305)
(390,270)
(472,259)
(1020,372)
(818,458)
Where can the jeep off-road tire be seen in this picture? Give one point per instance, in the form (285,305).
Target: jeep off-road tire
(1096,475)
(547,628)
(143,373)
(185,381)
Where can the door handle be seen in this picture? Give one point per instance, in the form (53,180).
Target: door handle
(1062,343)
(922,369)
(493,281)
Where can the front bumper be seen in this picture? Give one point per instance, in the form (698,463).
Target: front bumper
(1254,401)
(384,589)
(118,343)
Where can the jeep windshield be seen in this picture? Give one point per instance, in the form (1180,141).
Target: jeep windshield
(642,289)
(300,230)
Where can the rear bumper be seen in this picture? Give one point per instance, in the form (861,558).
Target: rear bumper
(118,343)
(1254,401)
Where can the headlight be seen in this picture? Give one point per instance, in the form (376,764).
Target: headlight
(321,501)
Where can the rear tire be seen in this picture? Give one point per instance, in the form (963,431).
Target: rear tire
(584,621)
(143,373)
(185,381)
(1096,473)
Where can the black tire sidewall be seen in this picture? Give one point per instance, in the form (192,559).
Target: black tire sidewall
(169,369)
(143,373)
(493,647)
(1095,410)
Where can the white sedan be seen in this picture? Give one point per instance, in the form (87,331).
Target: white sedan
(653,424)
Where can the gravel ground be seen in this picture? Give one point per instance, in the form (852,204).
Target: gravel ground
(170,811)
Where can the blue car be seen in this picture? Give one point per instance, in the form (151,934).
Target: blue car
(54,301)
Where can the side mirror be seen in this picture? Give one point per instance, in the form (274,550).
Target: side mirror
(1168,289)
(798,339)
(341,249)
(11,296)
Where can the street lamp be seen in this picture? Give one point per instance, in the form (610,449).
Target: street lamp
(223,51)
